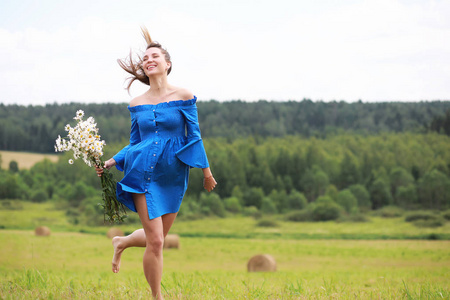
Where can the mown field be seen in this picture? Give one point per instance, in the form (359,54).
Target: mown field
(25,160)
(73,264)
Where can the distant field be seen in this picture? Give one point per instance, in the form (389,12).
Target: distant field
(25,160)
(27,215)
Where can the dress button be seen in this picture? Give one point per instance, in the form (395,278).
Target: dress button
(148,178)
(151,167)
(156,143)
(153,110)
(145,189)
(154,154)
(156,131)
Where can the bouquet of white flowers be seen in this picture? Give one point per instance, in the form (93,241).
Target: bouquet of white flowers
(84,141)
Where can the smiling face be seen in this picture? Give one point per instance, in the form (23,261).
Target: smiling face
(154,62)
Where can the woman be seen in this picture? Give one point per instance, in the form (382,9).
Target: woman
(165,143)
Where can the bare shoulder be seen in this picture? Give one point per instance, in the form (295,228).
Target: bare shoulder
(137,101)
(183,94)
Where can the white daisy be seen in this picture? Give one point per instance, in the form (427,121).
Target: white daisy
(79,115)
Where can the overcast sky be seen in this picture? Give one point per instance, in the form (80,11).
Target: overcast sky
(386,50)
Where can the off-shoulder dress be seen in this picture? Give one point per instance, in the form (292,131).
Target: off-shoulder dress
(165,142)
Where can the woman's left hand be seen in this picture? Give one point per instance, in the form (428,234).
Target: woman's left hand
(209,183)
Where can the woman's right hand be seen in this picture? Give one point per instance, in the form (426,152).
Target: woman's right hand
(108,164)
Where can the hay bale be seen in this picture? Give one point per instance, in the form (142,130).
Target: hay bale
(172,241)
(262,263)
(114,231)
(42,231)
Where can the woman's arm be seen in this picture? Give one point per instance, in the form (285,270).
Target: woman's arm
(118,159)
(193,153)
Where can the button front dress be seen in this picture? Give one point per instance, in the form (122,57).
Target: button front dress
(165,142)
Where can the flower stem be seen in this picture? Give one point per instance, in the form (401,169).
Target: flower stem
(114,211)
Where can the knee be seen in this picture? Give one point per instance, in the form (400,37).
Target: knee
(155,243)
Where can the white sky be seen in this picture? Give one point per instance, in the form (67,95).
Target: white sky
(384,50)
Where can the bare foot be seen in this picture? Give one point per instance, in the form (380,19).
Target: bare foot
(118,249)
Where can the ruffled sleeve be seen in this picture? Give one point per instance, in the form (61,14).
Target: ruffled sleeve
(135,138)
(193,153)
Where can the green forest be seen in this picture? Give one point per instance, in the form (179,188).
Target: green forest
(306,161)
(34,128)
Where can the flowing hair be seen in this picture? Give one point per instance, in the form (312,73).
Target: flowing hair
(134,67)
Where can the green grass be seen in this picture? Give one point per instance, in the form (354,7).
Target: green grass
(246,227)
(33,215)
(325,260)
(75,265)
(239,227)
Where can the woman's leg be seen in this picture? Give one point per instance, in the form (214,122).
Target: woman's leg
(167,221)
(120,243)
(136,239)
(154,237)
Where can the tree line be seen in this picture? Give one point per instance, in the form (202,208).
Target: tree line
(346,173)
(34,128)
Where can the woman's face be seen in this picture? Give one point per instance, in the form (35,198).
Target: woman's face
(154,62)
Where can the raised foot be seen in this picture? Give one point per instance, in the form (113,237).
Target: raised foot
(118,249)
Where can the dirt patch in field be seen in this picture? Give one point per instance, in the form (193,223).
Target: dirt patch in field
(25,160)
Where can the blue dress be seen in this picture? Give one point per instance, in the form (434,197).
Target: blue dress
(165,142)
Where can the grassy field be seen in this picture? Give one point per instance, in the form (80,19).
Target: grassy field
(211,264)
(25,160)
(75,265)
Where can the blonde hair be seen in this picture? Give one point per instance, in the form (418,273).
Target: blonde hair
(135,67)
